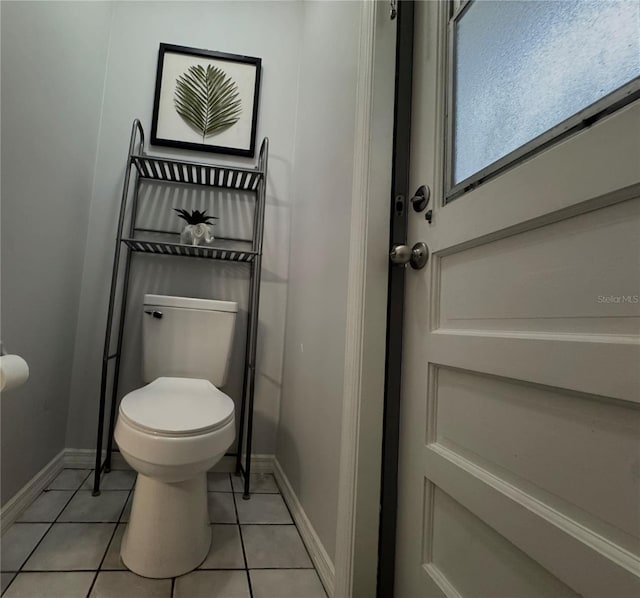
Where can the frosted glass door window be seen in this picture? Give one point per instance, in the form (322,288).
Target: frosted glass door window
(523,67)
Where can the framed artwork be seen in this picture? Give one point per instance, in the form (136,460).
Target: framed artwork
(206,101)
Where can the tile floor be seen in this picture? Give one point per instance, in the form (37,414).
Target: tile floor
(67,545)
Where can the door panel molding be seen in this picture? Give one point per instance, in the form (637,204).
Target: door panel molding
(588,205)
(465,549)
(498,425)
(441,582)
(574,554)
(558,361)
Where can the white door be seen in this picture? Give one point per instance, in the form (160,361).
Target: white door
(519,469)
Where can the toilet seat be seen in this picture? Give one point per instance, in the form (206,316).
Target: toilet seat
(177,407)
(173,425)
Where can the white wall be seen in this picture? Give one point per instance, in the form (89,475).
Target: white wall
(311,407)
(53,66)
(265,29)
(307,108)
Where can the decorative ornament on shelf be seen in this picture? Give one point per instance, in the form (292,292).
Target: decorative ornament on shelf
(198,227)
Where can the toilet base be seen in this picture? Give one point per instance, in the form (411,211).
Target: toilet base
(168,533)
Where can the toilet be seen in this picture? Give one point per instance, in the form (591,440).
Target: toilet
(174,429)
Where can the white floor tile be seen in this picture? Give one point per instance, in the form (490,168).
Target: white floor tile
(218,482)
(116,479)
(112,560)
(50,585)
(6,580)
(286,583)
(221,509)
(46,507)
(261,483)
(71,547)
(18,542)
(124,584)
(127,509)
(226,548)
(262,508)
(95,509)
(274,546)
(69,479)
(212,584)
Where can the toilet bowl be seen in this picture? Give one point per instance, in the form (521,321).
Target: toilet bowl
(173,430)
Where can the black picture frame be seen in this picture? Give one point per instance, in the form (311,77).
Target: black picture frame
(160,132)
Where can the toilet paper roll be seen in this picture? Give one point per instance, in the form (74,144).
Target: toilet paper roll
(14,371)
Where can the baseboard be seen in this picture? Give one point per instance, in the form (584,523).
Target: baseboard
(30,491)
(321,560)
(259,464)
(85,459)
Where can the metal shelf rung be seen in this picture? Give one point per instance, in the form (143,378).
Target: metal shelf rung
(178,249)
(194,173)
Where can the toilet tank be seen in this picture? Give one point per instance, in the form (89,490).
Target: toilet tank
(187,338)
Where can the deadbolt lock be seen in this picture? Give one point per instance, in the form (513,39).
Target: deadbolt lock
(421,198)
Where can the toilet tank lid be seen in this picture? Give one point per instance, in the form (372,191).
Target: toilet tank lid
(191,303)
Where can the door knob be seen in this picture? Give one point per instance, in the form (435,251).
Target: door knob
(417,256)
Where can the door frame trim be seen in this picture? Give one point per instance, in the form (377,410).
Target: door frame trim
(352,385)
(400,191)
(356,553)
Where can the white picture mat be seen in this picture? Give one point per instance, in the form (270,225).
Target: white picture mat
(172,126)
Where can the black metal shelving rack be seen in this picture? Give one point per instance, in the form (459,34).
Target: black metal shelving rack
(146,167)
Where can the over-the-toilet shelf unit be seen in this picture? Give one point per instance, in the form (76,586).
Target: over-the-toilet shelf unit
(145,167)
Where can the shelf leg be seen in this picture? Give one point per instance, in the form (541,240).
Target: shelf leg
(247,467)
(247,362)
(116,374)
(98,463)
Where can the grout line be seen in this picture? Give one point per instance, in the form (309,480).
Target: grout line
(270,525)
(129,571)
(101,522)
(104,490)
(173,580)
(233,523)
(282,569)
(48,529)
(106,550)
(18,572)
(244,553)
(61,571)
(20,569)
(300,535)
(249,582)
(201,568)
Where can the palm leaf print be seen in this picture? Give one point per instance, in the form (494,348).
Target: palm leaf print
(207,99)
